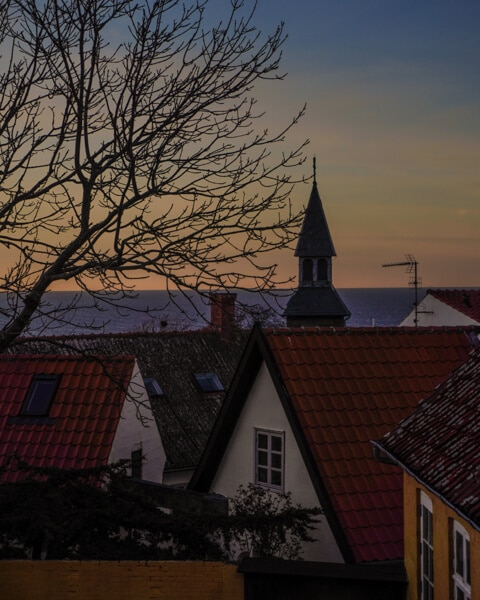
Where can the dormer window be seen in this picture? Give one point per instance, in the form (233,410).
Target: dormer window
(153,387)
(208,382)
(40,395)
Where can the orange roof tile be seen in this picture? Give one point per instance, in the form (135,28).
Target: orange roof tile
(83,417)
(348,387)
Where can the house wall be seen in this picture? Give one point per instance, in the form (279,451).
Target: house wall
(442,524)
(125,580)
(137,430)
(263,409)
(433,312)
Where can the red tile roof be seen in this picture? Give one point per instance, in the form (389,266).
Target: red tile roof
(466,301)
(82,419)
(440,442)
(348,387)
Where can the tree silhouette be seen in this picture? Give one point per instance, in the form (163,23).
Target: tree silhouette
(131,144)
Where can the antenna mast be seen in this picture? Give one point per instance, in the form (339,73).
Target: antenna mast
(412,267)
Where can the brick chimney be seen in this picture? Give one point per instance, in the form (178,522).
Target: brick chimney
(222,312)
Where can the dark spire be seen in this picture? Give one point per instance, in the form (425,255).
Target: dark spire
(316,301)
(315,239)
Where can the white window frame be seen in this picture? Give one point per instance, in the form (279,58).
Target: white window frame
(462,588)
(269,460)
(426,548)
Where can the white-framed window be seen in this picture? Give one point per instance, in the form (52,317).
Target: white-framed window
(269,458)
(426,547)
(461,563)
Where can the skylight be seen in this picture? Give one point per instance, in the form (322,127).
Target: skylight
(40,395)
(208,382)
(153,387)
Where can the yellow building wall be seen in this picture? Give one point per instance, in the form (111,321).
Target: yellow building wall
(442,561)
(125,580)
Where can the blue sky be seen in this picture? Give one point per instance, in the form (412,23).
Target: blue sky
(392,89)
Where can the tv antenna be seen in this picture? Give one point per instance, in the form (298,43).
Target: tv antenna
(412,268)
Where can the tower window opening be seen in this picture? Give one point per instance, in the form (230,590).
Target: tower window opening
(322,269)
(307,270)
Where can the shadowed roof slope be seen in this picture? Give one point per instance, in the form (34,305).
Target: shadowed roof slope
(439,444)
(83,417)
(342,388)
(464,300)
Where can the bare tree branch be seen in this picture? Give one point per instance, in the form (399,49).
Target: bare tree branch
(131,144)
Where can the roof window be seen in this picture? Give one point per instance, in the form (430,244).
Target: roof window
(208,382)
(153,387)
(40,395)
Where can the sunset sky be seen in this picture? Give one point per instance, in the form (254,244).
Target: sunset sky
(393,96)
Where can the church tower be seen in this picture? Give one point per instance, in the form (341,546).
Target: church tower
(316,301)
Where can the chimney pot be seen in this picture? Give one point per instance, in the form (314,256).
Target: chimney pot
(222,312)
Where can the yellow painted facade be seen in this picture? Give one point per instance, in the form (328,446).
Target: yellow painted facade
(125,580)
(443,517)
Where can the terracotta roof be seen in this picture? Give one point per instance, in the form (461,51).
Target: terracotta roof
(83,416)
(466,301)
(439,443)
(347,387)
(185,415)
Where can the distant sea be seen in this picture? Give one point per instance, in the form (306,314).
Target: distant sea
(154,310)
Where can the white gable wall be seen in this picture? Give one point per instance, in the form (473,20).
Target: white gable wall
(435,313)
(134,433)
(263,410)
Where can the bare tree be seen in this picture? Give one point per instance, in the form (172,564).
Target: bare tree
(131,144)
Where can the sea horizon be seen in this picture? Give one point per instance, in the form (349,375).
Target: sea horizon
(159,310)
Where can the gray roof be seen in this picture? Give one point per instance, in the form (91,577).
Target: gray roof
(184,414)
(315,302)
(439,443)
(315,239)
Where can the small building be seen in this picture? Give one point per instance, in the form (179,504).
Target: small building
(441,307)
(438,448)
(299,416)
(186,375)
(72,412)
(316,301)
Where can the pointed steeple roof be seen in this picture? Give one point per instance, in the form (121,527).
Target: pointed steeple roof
(315,239)
(316,301)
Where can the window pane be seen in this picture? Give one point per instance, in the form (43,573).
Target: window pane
(276,478)
(40,395)
(262,458)
(277,461)
(262,441)
(276,443)
(459,554)
(262,475)
(208,382)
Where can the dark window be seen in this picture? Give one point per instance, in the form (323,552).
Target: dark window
(136,463)
(40,395)
(307,270)
(322,269)
(153,387)
(208,382)
(426,548)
